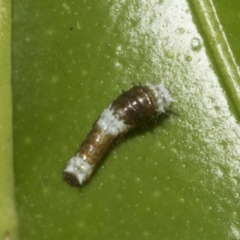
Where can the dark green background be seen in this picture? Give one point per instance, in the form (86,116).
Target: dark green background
(178,179)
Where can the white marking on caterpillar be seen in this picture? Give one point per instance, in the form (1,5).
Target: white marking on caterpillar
(110,122)
(133,108)
(80,168)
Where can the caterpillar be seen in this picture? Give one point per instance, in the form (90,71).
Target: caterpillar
(133,108)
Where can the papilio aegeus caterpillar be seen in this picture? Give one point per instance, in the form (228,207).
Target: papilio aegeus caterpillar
(133,108)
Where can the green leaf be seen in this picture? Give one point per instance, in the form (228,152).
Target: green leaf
(8,216)
(177,179)
(218,37)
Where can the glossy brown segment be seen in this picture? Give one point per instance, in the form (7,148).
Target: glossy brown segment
(96,145)
(136,106)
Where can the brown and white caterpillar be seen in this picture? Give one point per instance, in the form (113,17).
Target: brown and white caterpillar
(133,108)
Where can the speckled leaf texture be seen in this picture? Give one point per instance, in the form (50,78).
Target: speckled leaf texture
(176,179)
